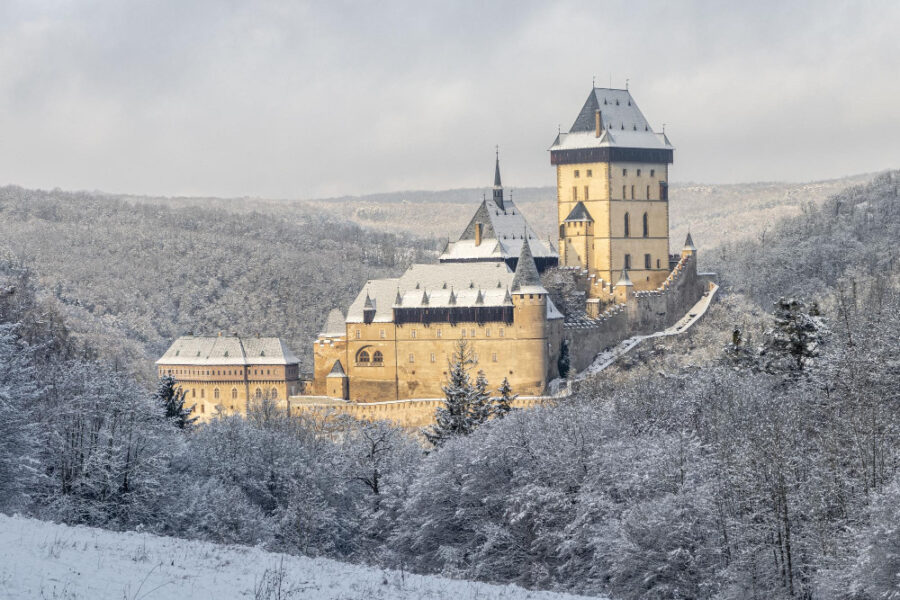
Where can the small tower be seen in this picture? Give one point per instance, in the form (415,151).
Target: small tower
(530,299)
(498,187)
(337,384)
(689,248)
(624,289)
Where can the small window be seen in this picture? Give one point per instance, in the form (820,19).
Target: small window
(377,358)
(258,393)
(358,334)
(624,172)
(638,172)
(500,332)
(586,195)
(627,223)
(362,357)
(646,223)
(624,195)
(438,333)
(590,173)
(193,393)
(412,358)
(233,393)
(647,262)
(216,393)
(577,173)
(494,357)
(202,408)
(464,332)
(648,192)
(628,261)
(574,193)
(657,263)
(475,357)
(203,393)
(632,192)
(472,333)
(433,358)
(412,334)
(487,332)
(381,333)
(652,172)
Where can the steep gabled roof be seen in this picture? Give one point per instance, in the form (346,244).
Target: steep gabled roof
(337,370)
(334,324)
(579,213)
(689,243)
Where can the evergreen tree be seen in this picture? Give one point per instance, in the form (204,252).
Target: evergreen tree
(454,418)
(171,397)
(796,336)
(503,403)
(482,403)
(563,363)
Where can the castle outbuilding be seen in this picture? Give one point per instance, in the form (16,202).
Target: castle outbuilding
(226,372)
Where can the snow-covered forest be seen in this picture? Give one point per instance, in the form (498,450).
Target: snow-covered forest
(756,457)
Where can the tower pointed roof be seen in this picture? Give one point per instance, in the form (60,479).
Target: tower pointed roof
(497,171)
(689,243)
(498,187)
(579,213)
(625,279)
(337,370)
(526,275)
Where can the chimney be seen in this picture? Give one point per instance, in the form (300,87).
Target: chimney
(598,123)
(478,227)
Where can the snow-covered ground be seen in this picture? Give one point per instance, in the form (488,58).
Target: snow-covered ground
(45,560)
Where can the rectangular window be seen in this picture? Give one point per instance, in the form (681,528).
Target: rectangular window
(464,332)
(487,332)
(494,356)
(647,263)
(412,334)
(577,173)
(590,173)
(381,333)
(652,172)
(472,333)
(500,333)
(639,173)
(433,357)
(438,333)
(624,172)
(657,263)
(586,196)
(628,261)
(412,358)
(358,333)
(574,193)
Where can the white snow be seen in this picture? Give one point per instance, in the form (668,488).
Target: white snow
(45,560)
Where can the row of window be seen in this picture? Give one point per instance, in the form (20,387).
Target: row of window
(587,193)
(648,262)
(217,372)
(438,333)
(590,173)
(645,222)
(234,393)
(377,359)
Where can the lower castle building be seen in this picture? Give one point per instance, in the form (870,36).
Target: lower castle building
(226,372)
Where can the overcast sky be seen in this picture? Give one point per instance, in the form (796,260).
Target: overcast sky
(286,99)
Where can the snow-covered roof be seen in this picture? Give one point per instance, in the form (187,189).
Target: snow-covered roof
(624,125)
(441,285)
(503,231)
(227,350)
(334,324)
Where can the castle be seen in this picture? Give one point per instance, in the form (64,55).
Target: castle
(394,342)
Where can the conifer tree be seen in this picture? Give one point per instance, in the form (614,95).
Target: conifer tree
(454,418)
(503,403)
(482,403)
(171,397)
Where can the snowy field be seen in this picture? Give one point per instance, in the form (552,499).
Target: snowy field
(45,560)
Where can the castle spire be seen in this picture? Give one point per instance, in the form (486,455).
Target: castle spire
(526,271)
(498,186)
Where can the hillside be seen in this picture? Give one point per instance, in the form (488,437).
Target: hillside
(44,560)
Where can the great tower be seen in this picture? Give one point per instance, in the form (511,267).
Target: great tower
(612,174)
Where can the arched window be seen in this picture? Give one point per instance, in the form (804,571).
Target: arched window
(646,226)
(378,357)
(233,393)
(627,225)
(274,393)
(362,357)
(216,393)
(258,393)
